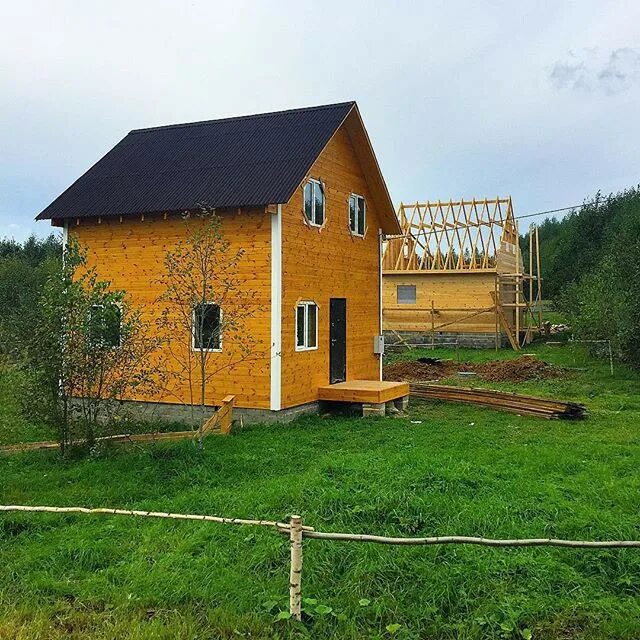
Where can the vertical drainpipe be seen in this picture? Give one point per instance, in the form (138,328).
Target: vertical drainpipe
(65,234)
(380,239)
(275,403)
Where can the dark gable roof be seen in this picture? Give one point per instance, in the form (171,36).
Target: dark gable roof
(235,162)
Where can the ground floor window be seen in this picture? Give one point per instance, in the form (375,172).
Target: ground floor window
(206,327)
(406,293)
(306,326)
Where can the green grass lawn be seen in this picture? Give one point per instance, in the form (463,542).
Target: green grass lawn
(459,470)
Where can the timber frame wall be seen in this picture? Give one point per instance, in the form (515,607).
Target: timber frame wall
(463,258)
(287,261)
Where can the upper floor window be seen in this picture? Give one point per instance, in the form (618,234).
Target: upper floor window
(306,326)
(314,202)
(356,214)
(206,327)
(105,322)
(406,293)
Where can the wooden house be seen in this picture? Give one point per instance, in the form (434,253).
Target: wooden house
(455,275)
(301,191)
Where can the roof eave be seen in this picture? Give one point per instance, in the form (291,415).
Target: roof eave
(388,218)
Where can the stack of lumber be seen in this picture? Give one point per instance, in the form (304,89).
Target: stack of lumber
(501,400)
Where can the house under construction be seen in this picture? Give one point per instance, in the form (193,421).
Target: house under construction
(456,274)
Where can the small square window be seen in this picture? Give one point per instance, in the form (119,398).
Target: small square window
(306,326)
(406,293)
(105,322)
(206,327)
(314,202)
(357,217)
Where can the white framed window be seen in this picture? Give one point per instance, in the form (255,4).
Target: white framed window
(105,325)
(406,293)
(314,202)
(306,326)
(357,214)
(207,319)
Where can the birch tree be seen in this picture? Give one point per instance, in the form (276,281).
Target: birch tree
(207,304)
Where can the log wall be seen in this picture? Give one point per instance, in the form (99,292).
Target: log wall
(129,253)
(318,264)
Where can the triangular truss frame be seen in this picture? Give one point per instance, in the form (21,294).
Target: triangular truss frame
(466,236)
(453,235)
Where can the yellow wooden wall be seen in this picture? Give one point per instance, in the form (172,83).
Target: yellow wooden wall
(130,252)
(454,290)
(320,264)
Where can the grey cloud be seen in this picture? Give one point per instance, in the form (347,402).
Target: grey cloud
(591,71)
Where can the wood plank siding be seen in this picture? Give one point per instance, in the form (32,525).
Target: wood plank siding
(319,264)
(129,254)
(464,291)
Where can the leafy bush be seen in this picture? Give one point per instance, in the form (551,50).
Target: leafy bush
(24,268)
(591,268)
(605,302)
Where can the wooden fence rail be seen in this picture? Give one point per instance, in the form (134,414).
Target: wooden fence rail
(296,532)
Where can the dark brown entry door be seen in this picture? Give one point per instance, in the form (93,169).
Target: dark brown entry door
(337,340)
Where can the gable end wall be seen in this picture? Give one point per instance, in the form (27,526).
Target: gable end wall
(320,264)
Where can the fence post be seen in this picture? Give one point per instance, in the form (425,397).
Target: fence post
(610,356)
(295,573)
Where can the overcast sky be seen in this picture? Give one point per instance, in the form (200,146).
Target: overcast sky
(537,99)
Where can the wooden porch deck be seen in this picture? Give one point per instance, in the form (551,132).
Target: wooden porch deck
(364,391)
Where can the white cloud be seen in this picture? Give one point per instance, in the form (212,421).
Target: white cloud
(593,70)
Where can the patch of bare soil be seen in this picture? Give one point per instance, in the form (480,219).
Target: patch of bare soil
(518,370)
(423,369)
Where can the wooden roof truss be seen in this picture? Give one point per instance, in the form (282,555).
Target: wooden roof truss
(462,235)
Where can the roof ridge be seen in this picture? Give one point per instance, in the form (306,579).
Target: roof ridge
(245,117)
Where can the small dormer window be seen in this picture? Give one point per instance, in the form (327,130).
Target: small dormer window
(356,214)
(314,202)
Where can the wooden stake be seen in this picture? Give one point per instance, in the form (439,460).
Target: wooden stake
(518,284)
(539,280)
(295,574)
(505,324)
(530,263)
(610,356)
(530,318)
(433,324)
(495,306)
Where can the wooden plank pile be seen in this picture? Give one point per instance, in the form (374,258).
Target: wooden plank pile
(502,401)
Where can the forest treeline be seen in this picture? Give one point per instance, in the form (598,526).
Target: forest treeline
(24,269)
(591,269)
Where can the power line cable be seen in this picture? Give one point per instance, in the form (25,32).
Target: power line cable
(424,232)
(541,213)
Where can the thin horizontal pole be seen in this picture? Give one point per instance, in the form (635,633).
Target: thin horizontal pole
(422,344)
(309,532)
(435,309)
(148,514)
(486,542)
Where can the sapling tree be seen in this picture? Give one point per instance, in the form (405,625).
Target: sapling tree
(206,305)
(90,350)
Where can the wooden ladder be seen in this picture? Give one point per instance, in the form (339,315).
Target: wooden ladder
(503,322)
